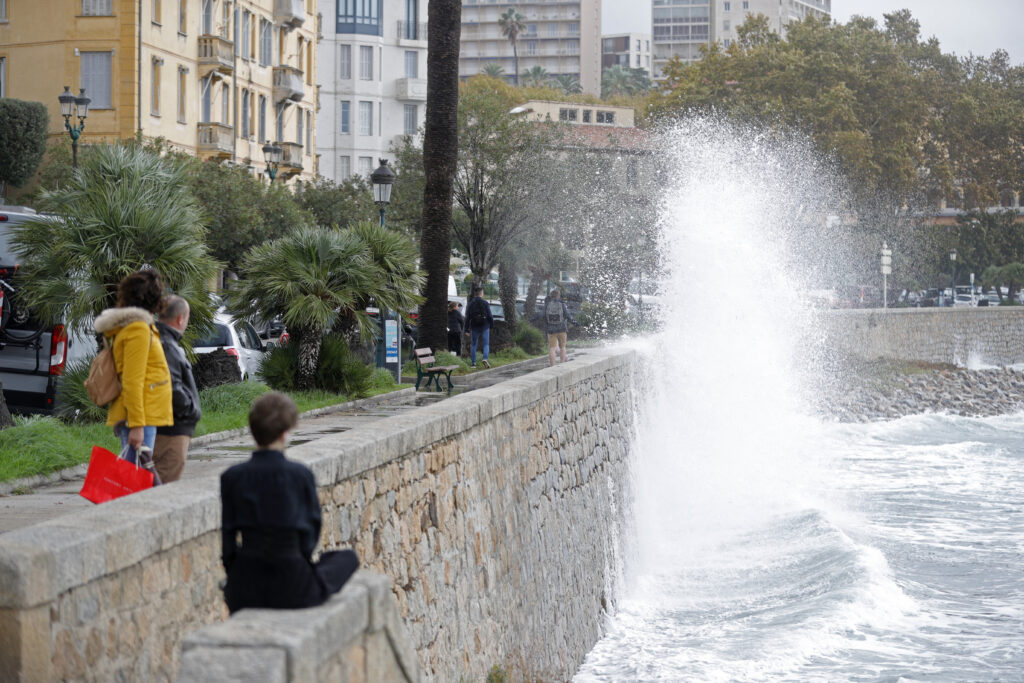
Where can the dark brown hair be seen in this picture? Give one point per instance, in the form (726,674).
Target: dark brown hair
(271,415)
(143,288)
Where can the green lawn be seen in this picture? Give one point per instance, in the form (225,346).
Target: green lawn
(41,445)
(496,359)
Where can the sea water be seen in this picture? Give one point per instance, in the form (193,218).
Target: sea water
(771,543)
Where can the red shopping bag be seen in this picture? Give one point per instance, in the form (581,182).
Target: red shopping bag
(111,477)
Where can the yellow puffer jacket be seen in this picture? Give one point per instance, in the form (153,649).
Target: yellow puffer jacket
(145,399)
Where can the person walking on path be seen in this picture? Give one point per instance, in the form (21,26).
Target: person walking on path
(556,321)
(171,448)
(456,323)
(478,315)
(145,399)
(272,503)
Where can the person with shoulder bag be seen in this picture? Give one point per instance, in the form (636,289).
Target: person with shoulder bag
(171,449)
(556,322)
(480,321)
(144,402)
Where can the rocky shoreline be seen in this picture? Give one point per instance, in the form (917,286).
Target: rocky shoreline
(883,390)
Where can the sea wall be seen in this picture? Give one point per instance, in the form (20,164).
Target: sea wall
(961,336)
(496,515)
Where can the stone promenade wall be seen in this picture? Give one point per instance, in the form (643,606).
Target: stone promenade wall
(495,513)
(993,336)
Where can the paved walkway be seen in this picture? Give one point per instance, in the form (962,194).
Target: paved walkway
(213,453)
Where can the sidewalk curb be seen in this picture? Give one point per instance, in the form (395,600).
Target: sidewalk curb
(8,488)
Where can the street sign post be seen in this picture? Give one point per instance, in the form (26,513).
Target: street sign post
(886,272)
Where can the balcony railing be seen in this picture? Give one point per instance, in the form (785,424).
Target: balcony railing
(216,139)
(289,12)
(216,54)
(411,89)
(288,83)
(291,155)
(410,30)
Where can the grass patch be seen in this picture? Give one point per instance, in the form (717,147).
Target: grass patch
(496,359)
(41,445)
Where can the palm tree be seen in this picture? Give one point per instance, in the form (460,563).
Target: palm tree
(569,84)
(616,80)
(398,281)
(512,23)
(493,69)
(440,156)
(535,77)
(125,208)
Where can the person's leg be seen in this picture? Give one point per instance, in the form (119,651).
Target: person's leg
(336,567)
(169,455)
(487,345)
(552,347)
(562,338)
(474,335)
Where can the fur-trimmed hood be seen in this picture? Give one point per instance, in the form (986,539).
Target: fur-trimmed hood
(115,318)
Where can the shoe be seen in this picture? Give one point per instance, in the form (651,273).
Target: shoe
(473,366)
(486,364)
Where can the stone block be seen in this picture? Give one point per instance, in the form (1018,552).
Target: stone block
(200,664)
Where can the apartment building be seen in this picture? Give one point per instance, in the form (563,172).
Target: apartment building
(373,67)
(562,36)
(628,50)
(213,78)
(681,27)
(600,115)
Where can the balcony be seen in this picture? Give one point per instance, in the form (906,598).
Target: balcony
(412,31)
(411,89)
(216,141)
(288,84)
(291,13)
(215,54)
(291,158)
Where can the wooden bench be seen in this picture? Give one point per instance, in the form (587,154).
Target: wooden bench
(425,368)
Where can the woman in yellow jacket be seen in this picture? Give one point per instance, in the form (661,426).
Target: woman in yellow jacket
(145,400)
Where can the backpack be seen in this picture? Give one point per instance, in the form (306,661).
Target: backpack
(103,385)
(553,313)
(477,313)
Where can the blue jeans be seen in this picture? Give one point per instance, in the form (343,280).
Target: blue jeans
(476,334)
(148,439)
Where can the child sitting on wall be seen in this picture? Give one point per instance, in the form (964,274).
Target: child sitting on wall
(271,522)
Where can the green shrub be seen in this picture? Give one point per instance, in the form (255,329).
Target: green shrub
(497,674)
(73,402)
(382,379)
(279,368)
(338,370)
(530,339)
(227,397)
(510,355)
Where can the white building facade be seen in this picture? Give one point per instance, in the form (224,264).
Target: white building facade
(628,50)
(373,87)
(563,37)
(681,27)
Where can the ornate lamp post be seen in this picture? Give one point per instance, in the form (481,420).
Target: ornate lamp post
(389,351)
(952,286)
(272,153)
(70,105)
(383,178)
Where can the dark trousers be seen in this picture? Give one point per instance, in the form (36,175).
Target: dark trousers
(288,582)
(455,343)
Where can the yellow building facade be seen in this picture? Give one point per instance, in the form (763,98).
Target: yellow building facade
(214,78)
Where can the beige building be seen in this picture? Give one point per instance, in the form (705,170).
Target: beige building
(214,78)
(602,115)
(562,37)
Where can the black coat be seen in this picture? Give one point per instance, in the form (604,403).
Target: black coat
(184,393)
(455,322)
(271,525)
(478,314)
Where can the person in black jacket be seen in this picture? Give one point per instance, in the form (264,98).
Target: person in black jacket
(480,321)
(455,324)
(171,446)
(271,522)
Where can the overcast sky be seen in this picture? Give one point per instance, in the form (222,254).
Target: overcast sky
(978,26)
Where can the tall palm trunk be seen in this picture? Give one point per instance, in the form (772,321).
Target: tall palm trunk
(515,56)
(537,277)
(507,282)
(309,356)
(440,154)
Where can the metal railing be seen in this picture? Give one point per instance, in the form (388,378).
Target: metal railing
(411,30)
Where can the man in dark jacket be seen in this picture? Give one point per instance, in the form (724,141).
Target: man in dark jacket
(171,447)
(455,325)
(556,321)
(480,321)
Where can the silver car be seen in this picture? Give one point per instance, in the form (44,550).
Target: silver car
(238,338)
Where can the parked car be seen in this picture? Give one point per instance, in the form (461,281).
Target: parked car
(239,339)
(963,300)
(497,311)
(929,299)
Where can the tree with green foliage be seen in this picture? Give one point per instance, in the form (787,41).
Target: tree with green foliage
(535,77)
(22,140)
(493,69)
(337,204)
(512,23)
(125,208)
(621,81)
(568,83)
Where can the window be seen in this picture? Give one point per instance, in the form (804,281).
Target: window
(154,105)
(182,16)
(726,42)
(606,117)
(3,76)
(96,78)
(587,115)
(309,131)
(246,23)
(245,113)
(366,62)
(298,126)
(279,116)
(263,118)
(412,64)
(344,167)
(746,5)
(206,28)
(266,43)
(157,11)
(727,7)
(366,118)
(365,165)
(225,105)
(345,62)
(182,86)
(359,16)
(97,8)
(411,17)
(638,45)
(205,95)
(566,114)
(411,119)
(552,30)
(346,117)
(238,42)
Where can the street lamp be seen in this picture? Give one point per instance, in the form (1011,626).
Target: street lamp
(272,153)
(78,107)
(952,287)
(886,272)
(383,178)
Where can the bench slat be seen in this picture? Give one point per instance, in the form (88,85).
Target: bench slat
(424,351)
(424,360)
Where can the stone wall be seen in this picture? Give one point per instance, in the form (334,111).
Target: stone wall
(993,336)
(495,513)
